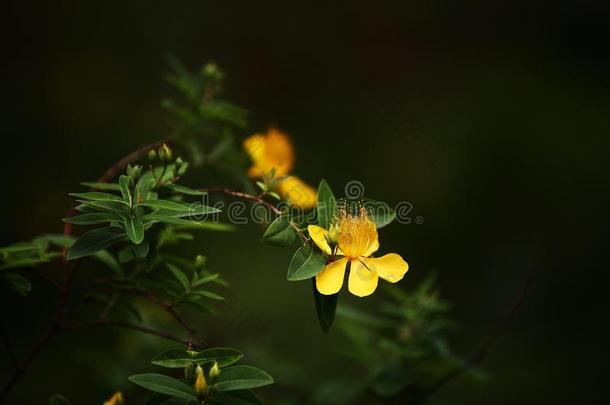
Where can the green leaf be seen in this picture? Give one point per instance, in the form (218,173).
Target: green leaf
(141,251)
(93,218)
(98,196)
(18,283)
(241,377)
(102,186)
(108,206)
(135,229)
(183,190)
(164,385)
(279,232)
(240,397)
(93,241)
(106,258)
(326,306)
(225,356)
(124,184)
(166,205)
(208,294)
(180,276)
(326,204)
(306,263)
(173,358)
(26,262)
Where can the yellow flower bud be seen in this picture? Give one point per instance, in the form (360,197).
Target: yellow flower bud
(116,399)
(215,370)
(165,152)
(201,386)
(333,233)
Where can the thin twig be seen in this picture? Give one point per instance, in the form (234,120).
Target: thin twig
(136,327)
(256,199)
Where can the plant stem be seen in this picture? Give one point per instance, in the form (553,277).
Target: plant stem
(256,199)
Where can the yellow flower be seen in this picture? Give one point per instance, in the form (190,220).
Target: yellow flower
(273,151)
(357,240)
(116,399)
(201,385)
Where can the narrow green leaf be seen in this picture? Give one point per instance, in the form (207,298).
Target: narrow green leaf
(166,205)
(306,263)
(180,276)
(225,356)
(94,241)
(135,229)
(209,294)
(18,283)
(102,186)
(326,204)
(98,196)
(241,377)
(183,190)
(280,233)
(93,218)
(164,385)
(124,184)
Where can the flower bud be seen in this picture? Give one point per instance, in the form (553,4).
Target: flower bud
(165,153)
(134,171)
(200,261)
(333,233)
(116,399)
(214,371)
(201,386)
(152,154)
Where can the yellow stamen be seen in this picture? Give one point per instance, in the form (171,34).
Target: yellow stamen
(356,232)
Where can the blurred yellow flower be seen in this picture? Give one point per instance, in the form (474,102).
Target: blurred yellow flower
(356,240)
(273,151)
(116,399)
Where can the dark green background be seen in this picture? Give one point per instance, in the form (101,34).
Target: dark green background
(491,118)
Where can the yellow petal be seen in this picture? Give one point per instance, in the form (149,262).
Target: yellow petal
(318,235)
(390,267)
(272,150)
(362,282)
(255,146)
(297,192)
(330,280)
(279,151)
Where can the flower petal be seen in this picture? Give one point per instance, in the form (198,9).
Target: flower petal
(330,280)
(390,267)
(269,151)
(362,282)
(318,235)
(255,146)
(297,192)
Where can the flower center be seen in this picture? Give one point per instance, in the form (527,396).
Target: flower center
(356,232)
